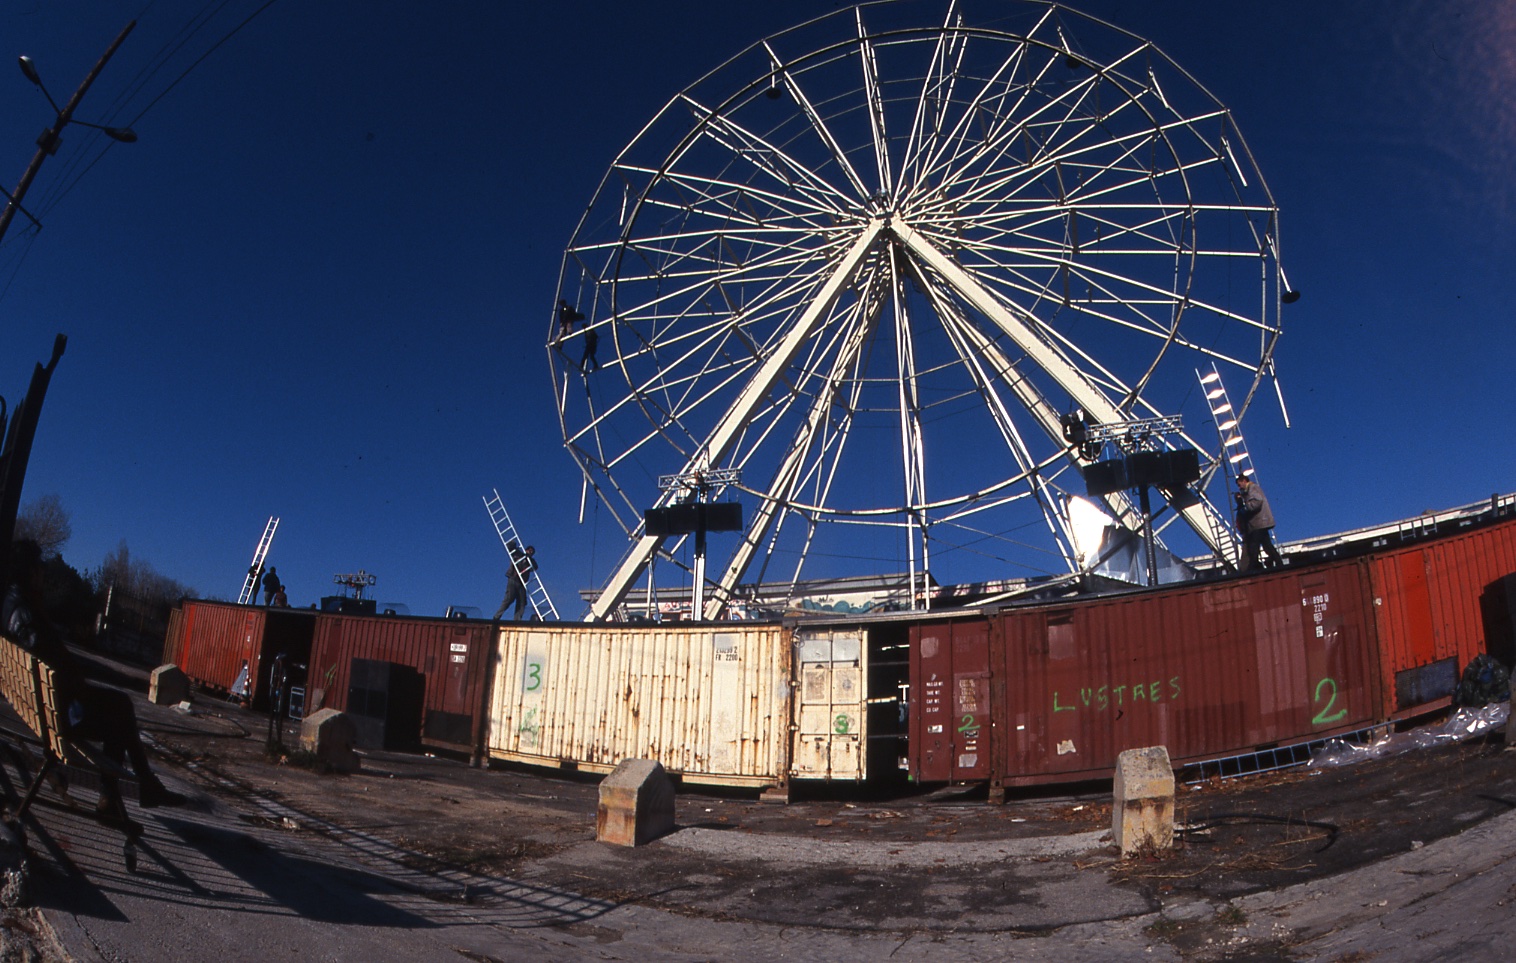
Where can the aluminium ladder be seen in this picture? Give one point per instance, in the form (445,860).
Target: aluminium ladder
(249,593)
(1234,449)
(536,592)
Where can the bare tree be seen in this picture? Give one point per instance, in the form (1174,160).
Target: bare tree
(137,578)
(45,521)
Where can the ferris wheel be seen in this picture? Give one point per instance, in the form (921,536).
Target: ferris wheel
(866,271)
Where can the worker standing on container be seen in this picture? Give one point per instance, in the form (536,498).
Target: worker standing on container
(271,585)
(1255,520)
(523,564)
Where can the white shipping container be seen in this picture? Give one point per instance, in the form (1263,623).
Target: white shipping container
(711,703)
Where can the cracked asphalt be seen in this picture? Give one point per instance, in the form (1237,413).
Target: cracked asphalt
(1411,857)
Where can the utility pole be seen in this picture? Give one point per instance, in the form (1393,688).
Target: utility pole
(16,439)
(47,143)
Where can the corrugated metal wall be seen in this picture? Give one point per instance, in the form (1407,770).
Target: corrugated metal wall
(710,703)
(830,732)
(951,701)
(213,641)
(452,656)
(1207,671)
(1434,611)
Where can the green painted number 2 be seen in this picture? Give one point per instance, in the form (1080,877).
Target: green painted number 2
(1322,718)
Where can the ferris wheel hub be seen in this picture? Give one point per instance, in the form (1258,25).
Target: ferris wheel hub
(877,295)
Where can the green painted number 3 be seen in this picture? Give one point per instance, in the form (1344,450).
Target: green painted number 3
(1322,718)
(533,676)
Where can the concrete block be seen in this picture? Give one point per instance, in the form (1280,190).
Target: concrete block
(168,686)
(636,804)
(1142,812)
(330,736)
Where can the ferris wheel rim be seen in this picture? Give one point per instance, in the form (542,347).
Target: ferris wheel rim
(667,401)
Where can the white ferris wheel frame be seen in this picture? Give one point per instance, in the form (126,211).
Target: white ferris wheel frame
(743,276)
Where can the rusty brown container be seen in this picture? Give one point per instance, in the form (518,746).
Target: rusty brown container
(1211,670)
(950,698)
(429,673)
(1437,604)
(226,647)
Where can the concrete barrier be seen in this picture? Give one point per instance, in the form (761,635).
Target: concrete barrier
(168,686)
(1142,812)
(636,804)
(330,736)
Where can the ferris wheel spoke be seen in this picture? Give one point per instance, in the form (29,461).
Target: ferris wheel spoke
(1037,230)
(976,349)
(819,125)
(1000,84)
(937,91)
(726,431)
(781,488)
(787,173)
(869,67)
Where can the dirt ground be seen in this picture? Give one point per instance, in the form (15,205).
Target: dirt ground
(1236,836)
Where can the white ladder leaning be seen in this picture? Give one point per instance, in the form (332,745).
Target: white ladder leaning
(249,594)
(1234,449)
(536,592)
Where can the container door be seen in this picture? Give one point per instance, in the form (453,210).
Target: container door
(971,701)
(950,702)
(931,716)
(830,713)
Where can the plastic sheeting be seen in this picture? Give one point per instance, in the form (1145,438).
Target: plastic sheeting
(1461,726)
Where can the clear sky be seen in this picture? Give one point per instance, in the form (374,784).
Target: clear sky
(318,286)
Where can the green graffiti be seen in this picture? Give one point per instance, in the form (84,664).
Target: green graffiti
(1321,718)
(1103,698)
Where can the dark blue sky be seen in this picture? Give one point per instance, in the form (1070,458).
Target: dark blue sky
(318,286)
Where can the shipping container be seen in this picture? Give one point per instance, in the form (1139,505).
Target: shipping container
(950,700)
(1218,669)
(831,721)
(404,680)
(711,703)
(1437,604)
(230,648)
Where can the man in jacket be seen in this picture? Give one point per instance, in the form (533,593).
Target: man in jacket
(1255,520)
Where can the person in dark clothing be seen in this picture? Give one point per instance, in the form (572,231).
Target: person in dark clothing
(588,362)
(523,564)
(271,585)
(568,316)
(1255,520)
(90,713)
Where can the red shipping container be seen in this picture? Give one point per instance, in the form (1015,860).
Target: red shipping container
(1437,604)
(950,701)
(1209,670)
(451,656)
(216,643)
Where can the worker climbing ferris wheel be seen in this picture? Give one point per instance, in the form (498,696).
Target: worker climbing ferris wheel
(875,267)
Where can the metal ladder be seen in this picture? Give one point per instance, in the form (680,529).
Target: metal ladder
(249,593)
(1234,448)
(536,592)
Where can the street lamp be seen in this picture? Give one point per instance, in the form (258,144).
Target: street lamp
(47,143)
(49,140)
